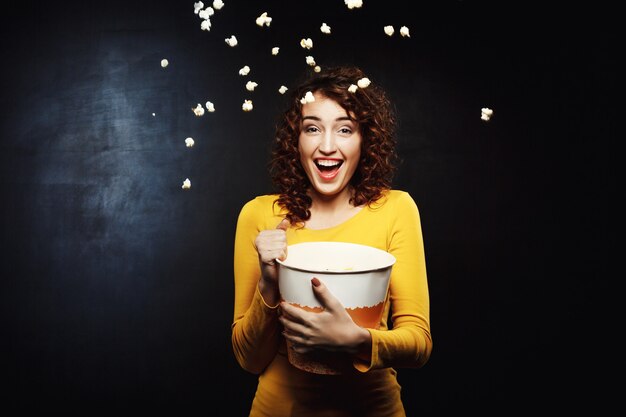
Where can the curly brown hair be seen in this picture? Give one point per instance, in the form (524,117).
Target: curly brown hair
(371,109)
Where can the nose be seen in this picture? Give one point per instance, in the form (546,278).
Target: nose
(328,145)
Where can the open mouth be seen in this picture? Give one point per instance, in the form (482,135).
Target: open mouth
(328,165)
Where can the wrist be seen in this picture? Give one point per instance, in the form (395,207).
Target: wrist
(269,292)
(364,344)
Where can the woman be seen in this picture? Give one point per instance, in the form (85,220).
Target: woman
(332,163)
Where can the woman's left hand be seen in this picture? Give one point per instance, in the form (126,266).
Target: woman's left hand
(332,329)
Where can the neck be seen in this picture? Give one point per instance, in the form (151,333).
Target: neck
(329,204)
(329,211)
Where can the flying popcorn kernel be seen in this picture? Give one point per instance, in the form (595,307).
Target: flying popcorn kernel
(206,13)
(247,105)
(218,4)
(353,4)
(486,113)
(189,142)
(352,88)
(209,106)
(404,31)
(389,30)
(153,114)
(308,98)
(164,63)
(232,41)
(306,43)
(199,110)
(275,50)
(186,184)
(325,28)
(317,68)
(197,7)
(310,60)
(251,85)
(245,70)
(206,25)
(264,19)
(363,82)
(282,89)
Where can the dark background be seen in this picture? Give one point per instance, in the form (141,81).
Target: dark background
(117,284)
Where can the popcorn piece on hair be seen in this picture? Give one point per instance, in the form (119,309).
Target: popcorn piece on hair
(264,19)
(206,25)
(310,60)
(218,4)
(404,31)
(282,89)
(245,70)
(186,184)
(197,7)
(199,110)
(189,142)
(251,85)
(325,28)
(306,43)
(164,63)
(275,50)
(247,105)
(209,106)
(308,98)
(389,30)
(232,41)
(317,68)
(352,88)
(352,4)
(363,82)
(206,13)
(486,113)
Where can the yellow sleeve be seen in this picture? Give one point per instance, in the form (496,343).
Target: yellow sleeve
(255,327)
(408,342)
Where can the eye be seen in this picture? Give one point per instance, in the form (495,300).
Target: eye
(345,131)
(311,129)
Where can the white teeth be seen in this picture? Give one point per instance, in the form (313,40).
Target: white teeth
(327,163)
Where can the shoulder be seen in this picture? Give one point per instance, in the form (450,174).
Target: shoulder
(395,199)
(259,202)
(261,209)
(400,196)
(403,213)
(265,204)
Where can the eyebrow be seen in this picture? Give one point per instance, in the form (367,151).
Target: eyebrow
(338,119)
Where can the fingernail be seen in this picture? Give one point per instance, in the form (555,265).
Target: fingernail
(316,282)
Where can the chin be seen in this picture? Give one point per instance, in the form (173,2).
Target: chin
(328,191)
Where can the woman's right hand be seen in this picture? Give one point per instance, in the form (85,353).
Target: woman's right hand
(271,245)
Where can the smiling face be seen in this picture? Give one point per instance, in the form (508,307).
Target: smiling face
(330,147)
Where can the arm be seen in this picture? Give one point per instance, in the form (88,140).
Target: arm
(408,344)
(255,327)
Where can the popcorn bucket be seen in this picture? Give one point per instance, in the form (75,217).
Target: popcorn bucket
(357,275)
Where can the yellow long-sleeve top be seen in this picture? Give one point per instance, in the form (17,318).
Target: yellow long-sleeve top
(371,388)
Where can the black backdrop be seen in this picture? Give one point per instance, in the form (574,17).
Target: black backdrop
(117,284)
